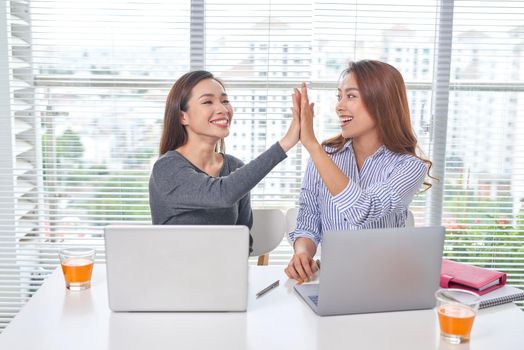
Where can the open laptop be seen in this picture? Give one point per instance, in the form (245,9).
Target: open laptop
(177,268)
(377,270)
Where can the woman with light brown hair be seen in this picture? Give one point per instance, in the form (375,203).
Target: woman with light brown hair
(366,176)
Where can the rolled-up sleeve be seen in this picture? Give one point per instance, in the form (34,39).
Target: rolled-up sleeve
(360,206)
(308,219)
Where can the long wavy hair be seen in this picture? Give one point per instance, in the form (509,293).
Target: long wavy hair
(174,134)
(384,95)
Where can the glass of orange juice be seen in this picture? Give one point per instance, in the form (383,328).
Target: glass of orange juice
(77,265)
(456,309)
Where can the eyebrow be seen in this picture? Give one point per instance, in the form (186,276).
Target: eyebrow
(348,89)
(212,95)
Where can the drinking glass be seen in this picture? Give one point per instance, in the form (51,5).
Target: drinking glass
(77,265)
(456,309)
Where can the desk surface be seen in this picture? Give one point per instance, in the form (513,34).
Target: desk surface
(58,319)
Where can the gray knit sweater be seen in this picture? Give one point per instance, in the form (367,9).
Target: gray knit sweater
(182,194)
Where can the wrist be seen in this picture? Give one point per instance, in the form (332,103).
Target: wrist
(304,245)
(286,146)
(313,147)
(303,252)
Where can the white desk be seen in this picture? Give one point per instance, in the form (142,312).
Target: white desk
(58,319)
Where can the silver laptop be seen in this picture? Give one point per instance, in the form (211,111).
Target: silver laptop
(177,268)
(377,270)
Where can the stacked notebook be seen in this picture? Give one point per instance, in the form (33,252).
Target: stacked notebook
(503,295)
(489,284)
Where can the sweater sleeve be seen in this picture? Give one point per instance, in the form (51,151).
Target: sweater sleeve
(179,185)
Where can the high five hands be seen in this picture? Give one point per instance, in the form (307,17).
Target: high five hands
(303,110)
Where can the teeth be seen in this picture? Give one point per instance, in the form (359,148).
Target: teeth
(221,121)
(346,119)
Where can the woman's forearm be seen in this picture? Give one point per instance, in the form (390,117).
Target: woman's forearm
(334,179)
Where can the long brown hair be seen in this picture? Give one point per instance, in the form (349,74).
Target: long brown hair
(174,134)
(383,93)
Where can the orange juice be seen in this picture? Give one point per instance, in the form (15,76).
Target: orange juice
(77,270)
(456,320)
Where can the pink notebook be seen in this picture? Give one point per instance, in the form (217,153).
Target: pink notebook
(469,277)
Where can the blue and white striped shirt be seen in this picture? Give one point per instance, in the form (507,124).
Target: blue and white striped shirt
(377,196)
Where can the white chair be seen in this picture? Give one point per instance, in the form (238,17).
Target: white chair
(410,220)
(267,231)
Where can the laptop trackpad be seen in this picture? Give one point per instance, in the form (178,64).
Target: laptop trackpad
(309,292)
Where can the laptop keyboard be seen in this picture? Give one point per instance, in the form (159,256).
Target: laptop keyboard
(314,299)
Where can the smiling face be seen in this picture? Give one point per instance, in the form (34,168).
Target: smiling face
(208,114)
(355,120)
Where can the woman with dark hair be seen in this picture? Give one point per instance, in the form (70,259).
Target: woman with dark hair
(366,176)
(194,182)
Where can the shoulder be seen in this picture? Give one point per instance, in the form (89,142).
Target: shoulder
(407,158)
(169,157)
(403,160)
(171,160)
(233,161)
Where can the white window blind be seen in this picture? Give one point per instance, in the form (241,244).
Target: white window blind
(269,47)
(484,185)
(86,83)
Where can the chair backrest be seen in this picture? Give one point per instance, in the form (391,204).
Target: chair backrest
(268,229)
(410,220)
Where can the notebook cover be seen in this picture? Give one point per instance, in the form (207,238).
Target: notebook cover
(469,277)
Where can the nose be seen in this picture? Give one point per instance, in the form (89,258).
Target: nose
(339,107)
(222,109)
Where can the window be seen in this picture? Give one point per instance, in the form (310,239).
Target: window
(88,79)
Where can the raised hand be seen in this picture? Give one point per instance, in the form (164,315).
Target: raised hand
(307,133)
(293,133)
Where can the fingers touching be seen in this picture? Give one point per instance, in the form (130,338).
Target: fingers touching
(301,268)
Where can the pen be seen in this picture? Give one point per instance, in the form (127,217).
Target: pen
(268,288)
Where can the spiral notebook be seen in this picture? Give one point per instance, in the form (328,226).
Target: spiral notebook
(503,295)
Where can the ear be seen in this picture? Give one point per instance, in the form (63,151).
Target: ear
(184,118)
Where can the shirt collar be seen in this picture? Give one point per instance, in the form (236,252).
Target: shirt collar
(349,146)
